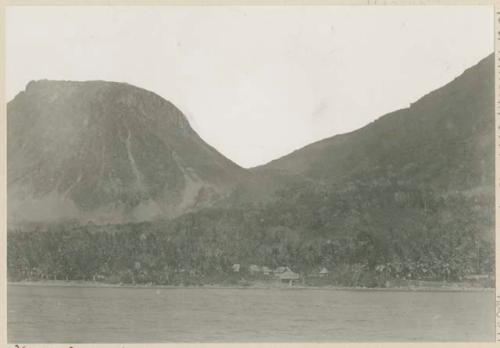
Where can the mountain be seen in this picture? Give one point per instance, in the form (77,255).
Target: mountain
(111,153)
(408,197)
(107,152)
(444,141)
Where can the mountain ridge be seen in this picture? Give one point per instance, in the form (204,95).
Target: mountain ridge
(474,84)
(490,57)
(153,164)
(58,130)
(409,196)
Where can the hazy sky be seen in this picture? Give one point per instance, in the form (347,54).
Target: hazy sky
(255,82)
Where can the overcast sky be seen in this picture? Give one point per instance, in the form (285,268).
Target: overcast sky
(255,82)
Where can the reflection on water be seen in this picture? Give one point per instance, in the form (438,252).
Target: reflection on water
(55,314)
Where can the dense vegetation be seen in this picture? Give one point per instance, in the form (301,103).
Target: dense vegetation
(365,235)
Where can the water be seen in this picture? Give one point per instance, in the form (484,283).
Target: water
(56,314)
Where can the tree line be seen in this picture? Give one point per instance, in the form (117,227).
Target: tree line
(363,234)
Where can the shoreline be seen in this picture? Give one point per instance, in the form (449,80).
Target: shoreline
(257,286)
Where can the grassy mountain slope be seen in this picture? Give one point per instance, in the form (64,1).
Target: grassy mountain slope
(443,141)
(107,152)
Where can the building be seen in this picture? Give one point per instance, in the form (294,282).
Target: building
(323,272)
(266,270)
(277,271)
(254,269)
(289,276)
(236,267)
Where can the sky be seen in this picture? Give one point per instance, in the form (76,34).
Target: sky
(255,82)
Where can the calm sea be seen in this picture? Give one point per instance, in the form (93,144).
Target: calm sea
(57,314)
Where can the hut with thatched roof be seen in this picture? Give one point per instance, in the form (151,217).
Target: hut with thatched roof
(289,276)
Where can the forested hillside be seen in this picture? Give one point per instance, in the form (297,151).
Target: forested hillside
(410,196)
(425,236)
